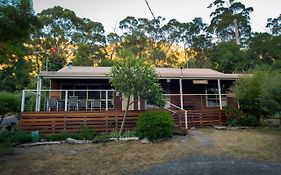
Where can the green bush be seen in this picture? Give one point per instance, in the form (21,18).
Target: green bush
(15,137)
(84,133)
(155,125)
(248,120)
(9,103)
(233,115)
(8,139)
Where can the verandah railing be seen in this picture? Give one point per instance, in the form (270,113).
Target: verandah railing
(67,100)
(90,100)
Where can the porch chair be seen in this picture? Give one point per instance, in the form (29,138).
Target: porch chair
(83,104)
(96,104)
(52,103)
(73,103)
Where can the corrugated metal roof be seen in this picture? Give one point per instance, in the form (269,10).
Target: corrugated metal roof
(103,72)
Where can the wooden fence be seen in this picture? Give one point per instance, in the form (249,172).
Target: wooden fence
(56,122)
(200,118)
(107,121)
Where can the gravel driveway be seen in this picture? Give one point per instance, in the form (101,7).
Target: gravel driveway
(213,165)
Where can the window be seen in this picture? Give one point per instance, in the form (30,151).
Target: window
(212,95)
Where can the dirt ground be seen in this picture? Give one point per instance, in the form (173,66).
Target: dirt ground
(129,157)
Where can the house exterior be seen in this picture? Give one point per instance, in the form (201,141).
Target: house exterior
(86,90)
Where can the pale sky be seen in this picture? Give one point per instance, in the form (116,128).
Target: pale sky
(110,12)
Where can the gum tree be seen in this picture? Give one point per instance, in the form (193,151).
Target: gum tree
(133,77)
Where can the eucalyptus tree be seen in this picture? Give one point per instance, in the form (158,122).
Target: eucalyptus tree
(68,34)
(17,20)
(274,24)
(134,77)
(265,49)
(230,20)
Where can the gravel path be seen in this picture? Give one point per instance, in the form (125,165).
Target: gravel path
(213,165)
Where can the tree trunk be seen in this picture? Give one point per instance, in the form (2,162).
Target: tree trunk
(237,37)
(125,115)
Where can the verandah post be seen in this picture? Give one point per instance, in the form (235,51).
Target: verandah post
(22,100)
(106,100)
(181,96)
(219,89)
(39,94)
(65,103)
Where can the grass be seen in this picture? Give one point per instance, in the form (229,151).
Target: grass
(126,157)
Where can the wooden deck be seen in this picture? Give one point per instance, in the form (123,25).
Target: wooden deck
(107,121)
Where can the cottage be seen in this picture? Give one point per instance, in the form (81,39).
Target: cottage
(78,95)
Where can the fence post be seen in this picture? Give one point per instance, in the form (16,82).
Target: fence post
(65,103)
(22,100)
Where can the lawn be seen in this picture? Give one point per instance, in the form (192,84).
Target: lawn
(127,157)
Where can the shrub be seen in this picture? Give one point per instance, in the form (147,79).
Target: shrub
(15,137)
(86,133)
(248,120)
(9,103)
(233,115)
(155,125)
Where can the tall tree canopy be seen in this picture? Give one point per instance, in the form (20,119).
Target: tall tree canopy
(230,20)
(69,34)
(274,24)
(17,20)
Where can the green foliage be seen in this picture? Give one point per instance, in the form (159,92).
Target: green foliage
(9,103)
(264,49)
(238,118)
(15,137)
(259,94)
(155,125)
(248,91)
(223,16)
(84,133)
(71,36)
(233,115)
(116,134)
(8,139)
(271,93)
(274,24)
(17,21)
(227,57)
(248,120)
(133,77)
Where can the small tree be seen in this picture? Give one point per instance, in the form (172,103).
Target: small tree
(9,103)
(133,77)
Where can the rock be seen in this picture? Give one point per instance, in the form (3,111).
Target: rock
(129,138)
(73,141)
(39,143)
(145,141)
(43,140)
(220,127)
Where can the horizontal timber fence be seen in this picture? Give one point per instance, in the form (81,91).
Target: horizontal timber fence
(200,118)
(107,121)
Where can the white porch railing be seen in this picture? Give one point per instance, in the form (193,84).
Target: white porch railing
(67,100)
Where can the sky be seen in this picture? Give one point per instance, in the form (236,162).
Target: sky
(110,12)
